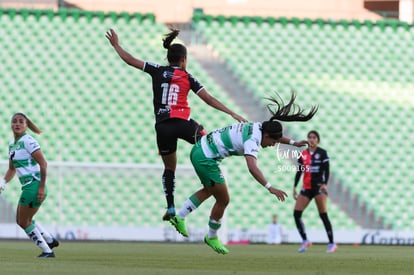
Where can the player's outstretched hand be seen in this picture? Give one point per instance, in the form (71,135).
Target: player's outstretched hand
(2,185)
(239,118)
(301,143)
(112,37)
(295,193)
(281,195)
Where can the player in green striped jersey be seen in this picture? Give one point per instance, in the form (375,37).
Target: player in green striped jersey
(27,161)
(240,139)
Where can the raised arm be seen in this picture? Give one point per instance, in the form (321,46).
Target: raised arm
(258,175)
(124,55)
(213,102)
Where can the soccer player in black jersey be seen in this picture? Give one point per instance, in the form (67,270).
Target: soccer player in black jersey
(171,85)
(314,164)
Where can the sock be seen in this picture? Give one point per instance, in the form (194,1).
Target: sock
(328,226)
(213,227)
(37,238)
(48,238)
(190,204)
(299,224)
(168,182)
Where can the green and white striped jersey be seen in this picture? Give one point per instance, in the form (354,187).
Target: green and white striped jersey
(238,139)
(20,153)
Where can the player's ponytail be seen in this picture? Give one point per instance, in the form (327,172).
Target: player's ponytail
(175,51)
(169,37)
(290,111)
(29,123)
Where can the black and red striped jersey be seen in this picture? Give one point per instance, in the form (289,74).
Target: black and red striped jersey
(315,168)
(171,86)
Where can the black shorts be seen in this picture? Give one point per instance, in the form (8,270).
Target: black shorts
(311,193)
(169,131)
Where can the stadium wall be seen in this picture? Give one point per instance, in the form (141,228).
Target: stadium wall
(234,236)
(31,4)
(182,10)
(325,9)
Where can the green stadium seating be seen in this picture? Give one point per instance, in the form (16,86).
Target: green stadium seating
(62,72)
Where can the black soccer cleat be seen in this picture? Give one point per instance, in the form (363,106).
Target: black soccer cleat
(54,243)
(167,216)
(47,255)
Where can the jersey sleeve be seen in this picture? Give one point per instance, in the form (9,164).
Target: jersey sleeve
(150,68)
(195,86)
(325,168)
(299,170)
(300,161)
(31,145)
(325,157)
(251,148)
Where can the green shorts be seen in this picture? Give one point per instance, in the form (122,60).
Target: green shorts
(29,195)
(207,169)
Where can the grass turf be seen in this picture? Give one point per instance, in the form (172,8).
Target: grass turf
(19,257)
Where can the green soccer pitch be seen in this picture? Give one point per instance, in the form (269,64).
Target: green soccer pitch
(75,258)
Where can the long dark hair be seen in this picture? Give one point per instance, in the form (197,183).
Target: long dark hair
(175,51)
(289,112)
(282,112)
